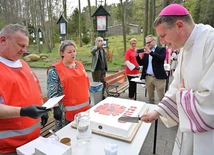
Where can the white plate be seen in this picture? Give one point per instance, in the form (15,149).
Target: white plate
(138,80)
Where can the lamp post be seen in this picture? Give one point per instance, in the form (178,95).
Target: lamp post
(33,36)
(40,36)
(40,39)
(141,31)
(62,22)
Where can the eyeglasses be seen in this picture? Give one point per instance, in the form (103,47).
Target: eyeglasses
(149,41)
(66,43)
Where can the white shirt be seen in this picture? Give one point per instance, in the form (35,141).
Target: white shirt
(149,68)
(9,63)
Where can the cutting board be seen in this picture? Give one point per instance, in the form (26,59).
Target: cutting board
(129,140)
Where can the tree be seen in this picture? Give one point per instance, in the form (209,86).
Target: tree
(208,12)
(44,26)
(201,10)
(74,23)
(96,4)
(138,12)
(146,4)
(50,23)
(44,14)
(167,2)
(64,8)
(80,37)
(123,24)
(91,29)
(152,17)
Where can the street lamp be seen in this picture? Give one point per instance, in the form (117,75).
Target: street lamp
(33,36)
(141,31)
(40,36)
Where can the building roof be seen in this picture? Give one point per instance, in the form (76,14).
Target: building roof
(100,11)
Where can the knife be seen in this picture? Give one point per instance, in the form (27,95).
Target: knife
(129,119)
(132,119)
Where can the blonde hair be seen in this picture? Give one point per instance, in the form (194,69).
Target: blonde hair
(151,36)
(64,44)
(133,39)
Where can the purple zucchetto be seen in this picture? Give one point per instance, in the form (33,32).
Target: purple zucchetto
(174,10)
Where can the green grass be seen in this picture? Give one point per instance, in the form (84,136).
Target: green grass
(115,44)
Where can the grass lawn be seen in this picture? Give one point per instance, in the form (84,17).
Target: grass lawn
(115,44)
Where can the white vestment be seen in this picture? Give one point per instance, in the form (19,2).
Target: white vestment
(193,106)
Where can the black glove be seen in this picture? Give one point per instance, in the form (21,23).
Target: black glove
(57,113)
(33,111)
(137,68)
(44,119)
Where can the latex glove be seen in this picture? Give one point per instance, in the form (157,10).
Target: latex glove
(57,113)
(44,119)
(33,111)
(137,68)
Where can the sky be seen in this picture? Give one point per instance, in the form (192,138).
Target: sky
(74,3)
(85,2)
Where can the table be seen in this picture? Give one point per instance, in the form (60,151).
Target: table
(98,142)
(138,81)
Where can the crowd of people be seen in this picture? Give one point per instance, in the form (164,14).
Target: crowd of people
(187,103)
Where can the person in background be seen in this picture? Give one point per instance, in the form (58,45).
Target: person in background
(153,68)
(68,77)
(189,102)
(174,60)
(132,68)
(99,64)
(168,54)
(167,65)
(20,93)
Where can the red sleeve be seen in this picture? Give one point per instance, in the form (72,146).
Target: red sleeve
(127,55)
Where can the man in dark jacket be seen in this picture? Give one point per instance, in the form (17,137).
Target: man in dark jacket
(153,68)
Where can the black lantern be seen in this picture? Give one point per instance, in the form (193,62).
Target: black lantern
(33,35)
(141,31)
(62,25)
(101,19)
(40,36)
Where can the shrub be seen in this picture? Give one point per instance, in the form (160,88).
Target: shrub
(85,39)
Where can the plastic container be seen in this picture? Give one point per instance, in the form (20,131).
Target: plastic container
(83,128)
(95,90)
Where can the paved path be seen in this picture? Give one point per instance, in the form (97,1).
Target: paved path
(165,136)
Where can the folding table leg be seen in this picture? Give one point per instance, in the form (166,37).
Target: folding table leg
(155,136)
